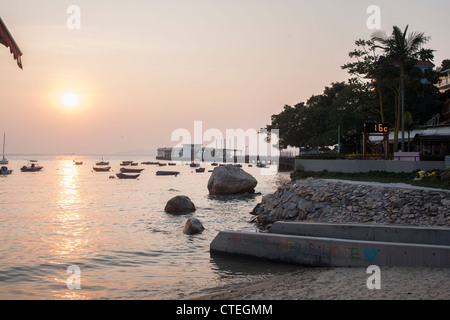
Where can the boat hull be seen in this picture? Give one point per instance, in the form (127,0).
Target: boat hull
(126,170)
(105,169)
(127,176)
(167,173)
(31,169)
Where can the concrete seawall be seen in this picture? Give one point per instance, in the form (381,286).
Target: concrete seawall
(353,166)
(342,246)
(366,232)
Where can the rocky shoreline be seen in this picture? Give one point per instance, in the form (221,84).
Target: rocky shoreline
(315,200)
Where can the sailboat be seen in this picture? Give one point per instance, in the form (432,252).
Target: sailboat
(4,161)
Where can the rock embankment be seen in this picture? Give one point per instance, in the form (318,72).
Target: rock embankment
(316,200)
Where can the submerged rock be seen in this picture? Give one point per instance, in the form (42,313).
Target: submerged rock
(231,180)
(180,204)
(193,226)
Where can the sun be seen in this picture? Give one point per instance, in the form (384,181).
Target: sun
(70,100)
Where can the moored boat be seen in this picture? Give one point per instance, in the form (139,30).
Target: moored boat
(5,171)
(32,166)
(101,169)
(127,176)
(126,163)
(167,173)
(200,170)
(131,170)
(102,163)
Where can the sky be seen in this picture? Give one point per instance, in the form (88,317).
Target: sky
(142,69)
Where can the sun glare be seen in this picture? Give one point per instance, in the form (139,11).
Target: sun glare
(70,100)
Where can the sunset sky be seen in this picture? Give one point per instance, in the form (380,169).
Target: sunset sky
(143,68)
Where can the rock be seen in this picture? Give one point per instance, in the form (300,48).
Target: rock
(315,200)
(193,226)
(179,204)
(231,180)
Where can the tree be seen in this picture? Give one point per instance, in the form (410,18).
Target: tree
(366,71)
(409,125)
(445,65)
(315,123)
(404,50)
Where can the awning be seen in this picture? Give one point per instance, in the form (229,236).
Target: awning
(7,40)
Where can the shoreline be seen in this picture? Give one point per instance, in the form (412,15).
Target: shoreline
(345,283)
(397,283)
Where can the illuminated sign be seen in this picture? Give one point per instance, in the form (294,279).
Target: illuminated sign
(376,127)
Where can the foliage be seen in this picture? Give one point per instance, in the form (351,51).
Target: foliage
(384,77)
(315,123)
(436,180)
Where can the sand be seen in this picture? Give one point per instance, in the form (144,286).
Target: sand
(344,284)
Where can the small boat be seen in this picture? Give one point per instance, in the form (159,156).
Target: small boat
(134,164)
(238,165)
(127,176)
(101,169)
(4,160)
(162,164)
(200,170)
(77,163)
(102,163)
(214,164)
(149,162)
(167,173)
(126,163)
(5,171)
(194,165)
(32,166)
(131,170)
(172,164)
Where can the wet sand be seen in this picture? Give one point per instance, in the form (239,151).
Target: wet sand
(344,284)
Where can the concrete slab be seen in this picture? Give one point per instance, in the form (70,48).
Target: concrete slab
(366,232)
(331,252)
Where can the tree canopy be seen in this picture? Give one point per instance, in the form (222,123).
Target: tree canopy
(384,75)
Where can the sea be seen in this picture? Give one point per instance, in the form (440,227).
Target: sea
(71,233)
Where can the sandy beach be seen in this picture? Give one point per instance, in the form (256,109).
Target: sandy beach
(344,284)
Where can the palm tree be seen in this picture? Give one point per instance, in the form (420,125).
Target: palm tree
(403,49)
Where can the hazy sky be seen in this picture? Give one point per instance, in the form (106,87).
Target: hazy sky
(144,68)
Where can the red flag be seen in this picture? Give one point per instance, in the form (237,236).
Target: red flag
(7,40)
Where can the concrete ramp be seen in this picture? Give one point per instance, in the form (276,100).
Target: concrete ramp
(337,245)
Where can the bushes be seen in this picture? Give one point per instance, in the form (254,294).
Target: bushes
(434,179)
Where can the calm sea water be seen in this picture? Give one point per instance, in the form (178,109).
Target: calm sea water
(117,233)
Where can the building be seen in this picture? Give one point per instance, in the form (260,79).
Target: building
(444,86)
(444,81)
(424,66)
(196,152)
(433,141)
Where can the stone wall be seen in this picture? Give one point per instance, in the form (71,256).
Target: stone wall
(314,200)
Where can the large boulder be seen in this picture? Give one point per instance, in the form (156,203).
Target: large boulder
(231,180)
(179,204)
(193,226)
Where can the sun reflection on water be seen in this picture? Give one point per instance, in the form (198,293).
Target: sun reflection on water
(72,241)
